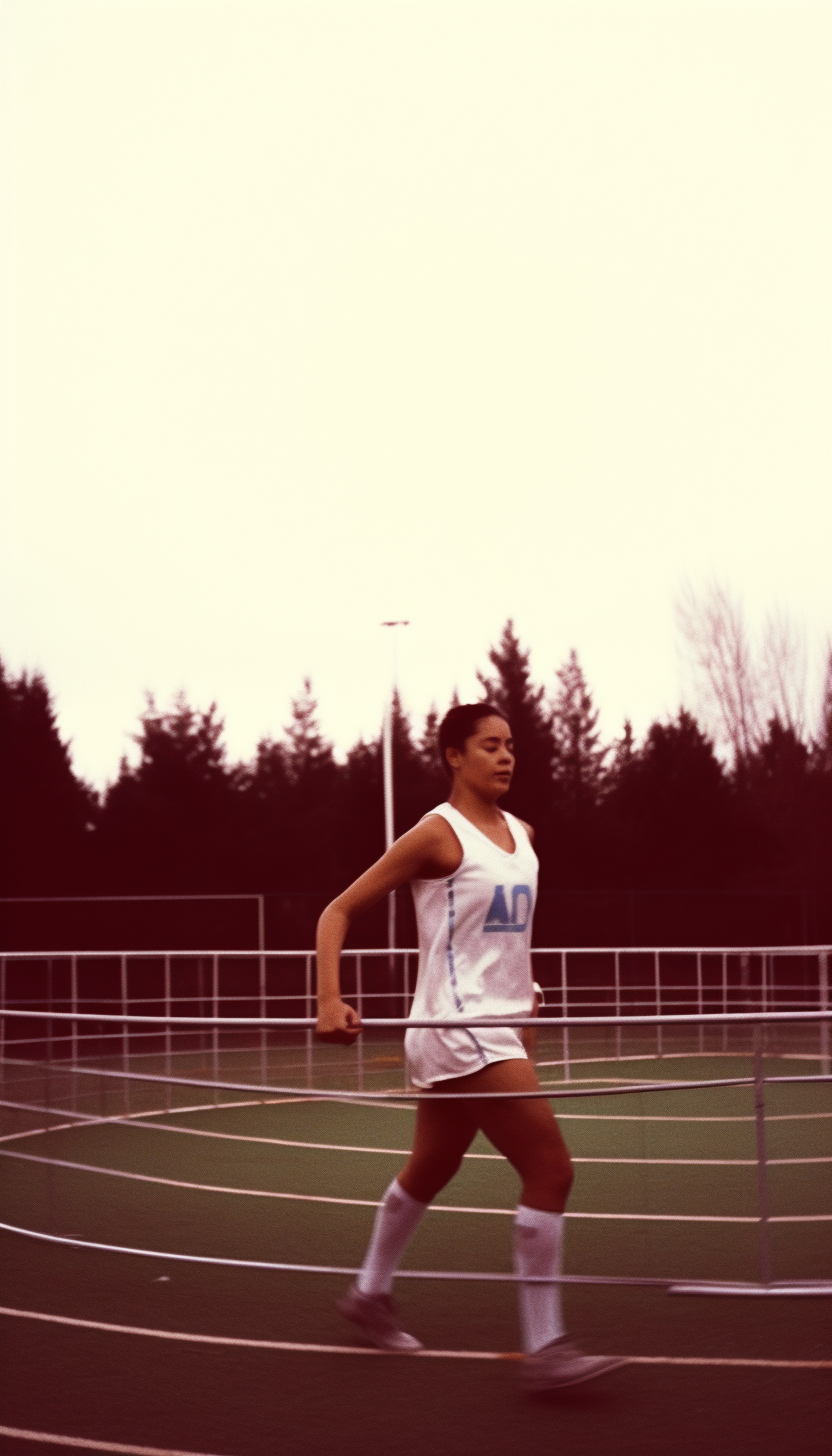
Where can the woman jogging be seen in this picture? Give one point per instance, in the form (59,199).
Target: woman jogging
(473,874)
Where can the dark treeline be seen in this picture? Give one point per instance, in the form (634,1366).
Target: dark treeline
(662,822)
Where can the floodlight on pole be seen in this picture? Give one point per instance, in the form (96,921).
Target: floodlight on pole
(387,767)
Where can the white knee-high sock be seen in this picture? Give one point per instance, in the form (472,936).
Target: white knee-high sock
(538,1250)
(396,1220)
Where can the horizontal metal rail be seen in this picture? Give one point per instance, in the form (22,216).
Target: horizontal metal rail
(390,1023)
(673,1286)
(581,950)
(329,1094)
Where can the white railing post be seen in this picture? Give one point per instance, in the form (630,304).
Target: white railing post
(762,1179)
(658,990)
(773,980)
(73,995)
(168,1031)
(359,1006)
(73,1005)
(699,1005)
(308,1013)
(618,1004)
(564,1001)
(261,980)
(262,1012)
(823,998)
(261,925)
(49,1004)
(2,1007)
(724,1000)
(215,1011)
(125,1032)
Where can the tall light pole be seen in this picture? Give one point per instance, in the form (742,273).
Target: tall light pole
(387,764)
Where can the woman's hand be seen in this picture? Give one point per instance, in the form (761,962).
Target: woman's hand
(337,1022)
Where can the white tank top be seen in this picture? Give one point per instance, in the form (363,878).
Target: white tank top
(475,928)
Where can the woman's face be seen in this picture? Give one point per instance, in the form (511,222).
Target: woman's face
(486,763)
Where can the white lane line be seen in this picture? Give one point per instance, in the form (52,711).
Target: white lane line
(312,1349)
(373,1203)
(133,1117)
(434,1207)
(404,1152)
(239,1342)
(665,1117)
(86,1443)
(83,1119)
(564,1116)
(386,1107)
(740,1362)
(199,1187)
(481,1157)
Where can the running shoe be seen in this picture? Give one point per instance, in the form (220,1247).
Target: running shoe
(562,1363)
(375,1316)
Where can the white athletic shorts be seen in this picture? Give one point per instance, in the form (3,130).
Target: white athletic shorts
(434,1054)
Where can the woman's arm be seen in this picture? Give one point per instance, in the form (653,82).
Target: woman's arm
(428,851)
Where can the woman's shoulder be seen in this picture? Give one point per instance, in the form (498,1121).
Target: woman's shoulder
(438,837)
(441,811)
(513,819)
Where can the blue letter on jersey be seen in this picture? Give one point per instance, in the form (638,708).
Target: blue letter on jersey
(498,918)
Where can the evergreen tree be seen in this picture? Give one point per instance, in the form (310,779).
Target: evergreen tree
(418,781)
(307,855)
(818,855)
(267,778)
(265,792)
(48,813)
(579,760)
(510,689)
(171,823)
(779,790)
(623,752)
(307,753)
(182,752)
(435,780)
(673,810)
(361,836)
(428,745)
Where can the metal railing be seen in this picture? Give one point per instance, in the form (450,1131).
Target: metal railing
(758,1021)
(108,1015)
(625,982)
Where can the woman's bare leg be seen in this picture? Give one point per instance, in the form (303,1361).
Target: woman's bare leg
(524,1131)
(527,1133)
(444,1132)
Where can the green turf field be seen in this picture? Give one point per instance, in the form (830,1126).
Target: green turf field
(759,1370)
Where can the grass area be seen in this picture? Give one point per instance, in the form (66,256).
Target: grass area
(237,1401)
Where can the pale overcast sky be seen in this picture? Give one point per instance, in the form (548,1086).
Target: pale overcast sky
(321,312)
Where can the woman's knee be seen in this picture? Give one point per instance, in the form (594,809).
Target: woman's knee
(424,1177)
(563,1172)
(548,1176)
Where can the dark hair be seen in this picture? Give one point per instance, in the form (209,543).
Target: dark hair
(460,723)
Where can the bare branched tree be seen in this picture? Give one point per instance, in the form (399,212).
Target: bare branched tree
(823,738)
(717,649)
(737,690)
(784,672)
